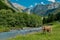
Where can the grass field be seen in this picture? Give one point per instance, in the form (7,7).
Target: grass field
(4,29)
(54,35)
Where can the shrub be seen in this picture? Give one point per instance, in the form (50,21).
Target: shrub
(10,19)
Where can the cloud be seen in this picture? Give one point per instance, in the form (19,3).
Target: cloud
(35,3)
(43,3)
(31,6)
(52,0)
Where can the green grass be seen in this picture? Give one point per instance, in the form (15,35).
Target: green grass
(54,35)
(7,29)
(4,29)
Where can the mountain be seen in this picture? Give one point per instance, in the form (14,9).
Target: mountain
(53,8)
(39,9)
(6,4)
(27,10)
(18,6)
(43,10)
(57,10)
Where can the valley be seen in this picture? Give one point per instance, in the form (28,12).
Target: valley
(26,23)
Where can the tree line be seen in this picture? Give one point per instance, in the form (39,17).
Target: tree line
(13,19)
(52,17)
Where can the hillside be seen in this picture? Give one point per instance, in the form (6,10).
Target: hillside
(52,16)
(5,4)
(18,6)
(56,11)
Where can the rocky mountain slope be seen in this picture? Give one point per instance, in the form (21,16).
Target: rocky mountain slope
(18,6)
(42,10)
(45,9)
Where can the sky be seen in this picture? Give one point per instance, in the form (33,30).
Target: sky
(31,3)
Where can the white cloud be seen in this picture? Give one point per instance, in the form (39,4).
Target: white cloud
(35,3)
(31,5)
(43,3)
(52,0)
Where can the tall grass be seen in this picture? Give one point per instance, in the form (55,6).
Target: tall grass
(4,29)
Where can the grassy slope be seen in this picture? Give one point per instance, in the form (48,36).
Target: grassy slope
(5,4)
(55,35)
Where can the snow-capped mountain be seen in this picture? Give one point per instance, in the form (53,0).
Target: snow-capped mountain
(41,9)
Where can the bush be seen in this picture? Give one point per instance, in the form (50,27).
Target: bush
(10,19)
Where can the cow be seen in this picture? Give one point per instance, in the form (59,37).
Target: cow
(46,29)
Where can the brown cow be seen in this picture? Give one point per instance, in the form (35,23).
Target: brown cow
(47,29)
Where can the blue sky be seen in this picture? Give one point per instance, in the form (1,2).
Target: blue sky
(31,3)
